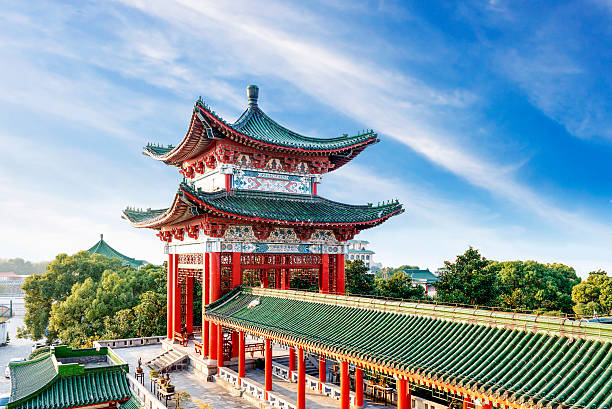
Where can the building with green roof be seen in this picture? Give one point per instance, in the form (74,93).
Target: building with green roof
(248,211)
(424,278)
(103,248)
(70,378)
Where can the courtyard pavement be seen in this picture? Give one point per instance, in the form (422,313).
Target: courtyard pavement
(16,348)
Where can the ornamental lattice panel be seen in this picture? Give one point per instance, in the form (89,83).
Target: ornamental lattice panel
(226,272)
(191,258)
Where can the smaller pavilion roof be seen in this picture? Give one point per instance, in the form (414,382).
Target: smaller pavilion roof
(265,207)
(422,276)
(102,248)
(58,380)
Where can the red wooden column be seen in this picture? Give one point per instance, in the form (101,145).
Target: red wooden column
(324,276)
(189,309)
(291,362)
(219,345)
(358,387)
(487,406)
(301,383)
(403,398)
(285,279)
(236,281)
(170,298)
(322,371)
(340,282)
(214,260)
(235,346)
(345,386)
(241,357)
(205,301)
(176,293)
(268,357)
(466,402)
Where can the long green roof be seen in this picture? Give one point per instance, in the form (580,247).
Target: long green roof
(554,364)
(46,383)
(422,275)
(273,206)
(102,247)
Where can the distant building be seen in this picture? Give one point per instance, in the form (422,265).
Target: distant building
(358,250)
(67,378)
(10,283)
(102,247)
(425,279)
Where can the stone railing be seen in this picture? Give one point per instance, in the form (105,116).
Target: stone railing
(229,376)
(281,371)
(280,401)
(148,400)
(129,342)
(255,389)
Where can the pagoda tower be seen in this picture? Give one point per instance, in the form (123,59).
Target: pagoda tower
(248,212)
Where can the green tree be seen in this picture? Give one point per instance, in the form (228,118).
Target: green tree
(468,280)
(120,325)
(358,281)
(529,285)
(55,285)
(593,295)
(151,314)
(399,285)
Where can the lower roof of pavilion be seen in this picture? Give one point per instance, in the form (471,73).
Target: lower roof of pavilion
(192,207)
(509,359)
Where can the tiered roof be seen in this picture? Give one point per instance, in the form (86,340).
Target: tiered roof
(256,130)
(250,206)
(516,360)
(47,383)
(102,247)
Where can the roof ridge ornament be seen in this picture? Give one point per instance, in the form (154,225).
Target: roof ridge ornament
(252,95)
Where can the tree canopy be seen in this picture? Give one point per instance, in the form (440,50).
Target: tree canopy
(468,280)
(593,295)
(398,285)
(85,296)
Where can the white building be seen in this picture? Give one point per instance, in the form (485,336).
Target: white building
(358,250)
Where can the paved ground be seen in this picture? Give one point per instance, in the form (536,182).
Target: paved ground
(211,393)
(17,348)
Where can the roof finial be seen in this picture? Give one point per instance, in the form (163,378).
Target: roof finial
(101,236)
(252,94)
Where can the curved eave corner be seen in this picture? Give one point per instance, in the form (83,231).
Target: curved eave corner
(361,140)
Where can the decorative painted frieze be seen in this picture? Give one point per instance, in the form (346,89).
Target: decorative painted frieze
(295,248)
(282,235)
(272,182)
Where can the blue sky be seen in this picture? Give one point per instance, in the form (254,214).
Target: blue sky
(495,117)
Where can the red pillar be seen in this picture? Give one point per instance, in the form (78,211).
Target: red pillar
(268,356)
(340,278)
(264,278)
(358,386)
(487,406)
(219,346)
(241,357)
(189,310)
(345,385)
(403,401)
(214,261)
(301,383)
(322,371)
(236,271)
(170,298)
(235,349)
(291,362)
(176,293)
(324,276)
(285,279)
(465,402)
(205,301)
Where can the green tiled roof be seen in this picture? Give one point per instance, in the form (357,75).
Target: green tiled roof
(28,377)
(102,247)
(275,207)
(422,275)
(255,124)
(545,368)
(352,251)
(133,403)
(157,149)
(46,383)
(292,208)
